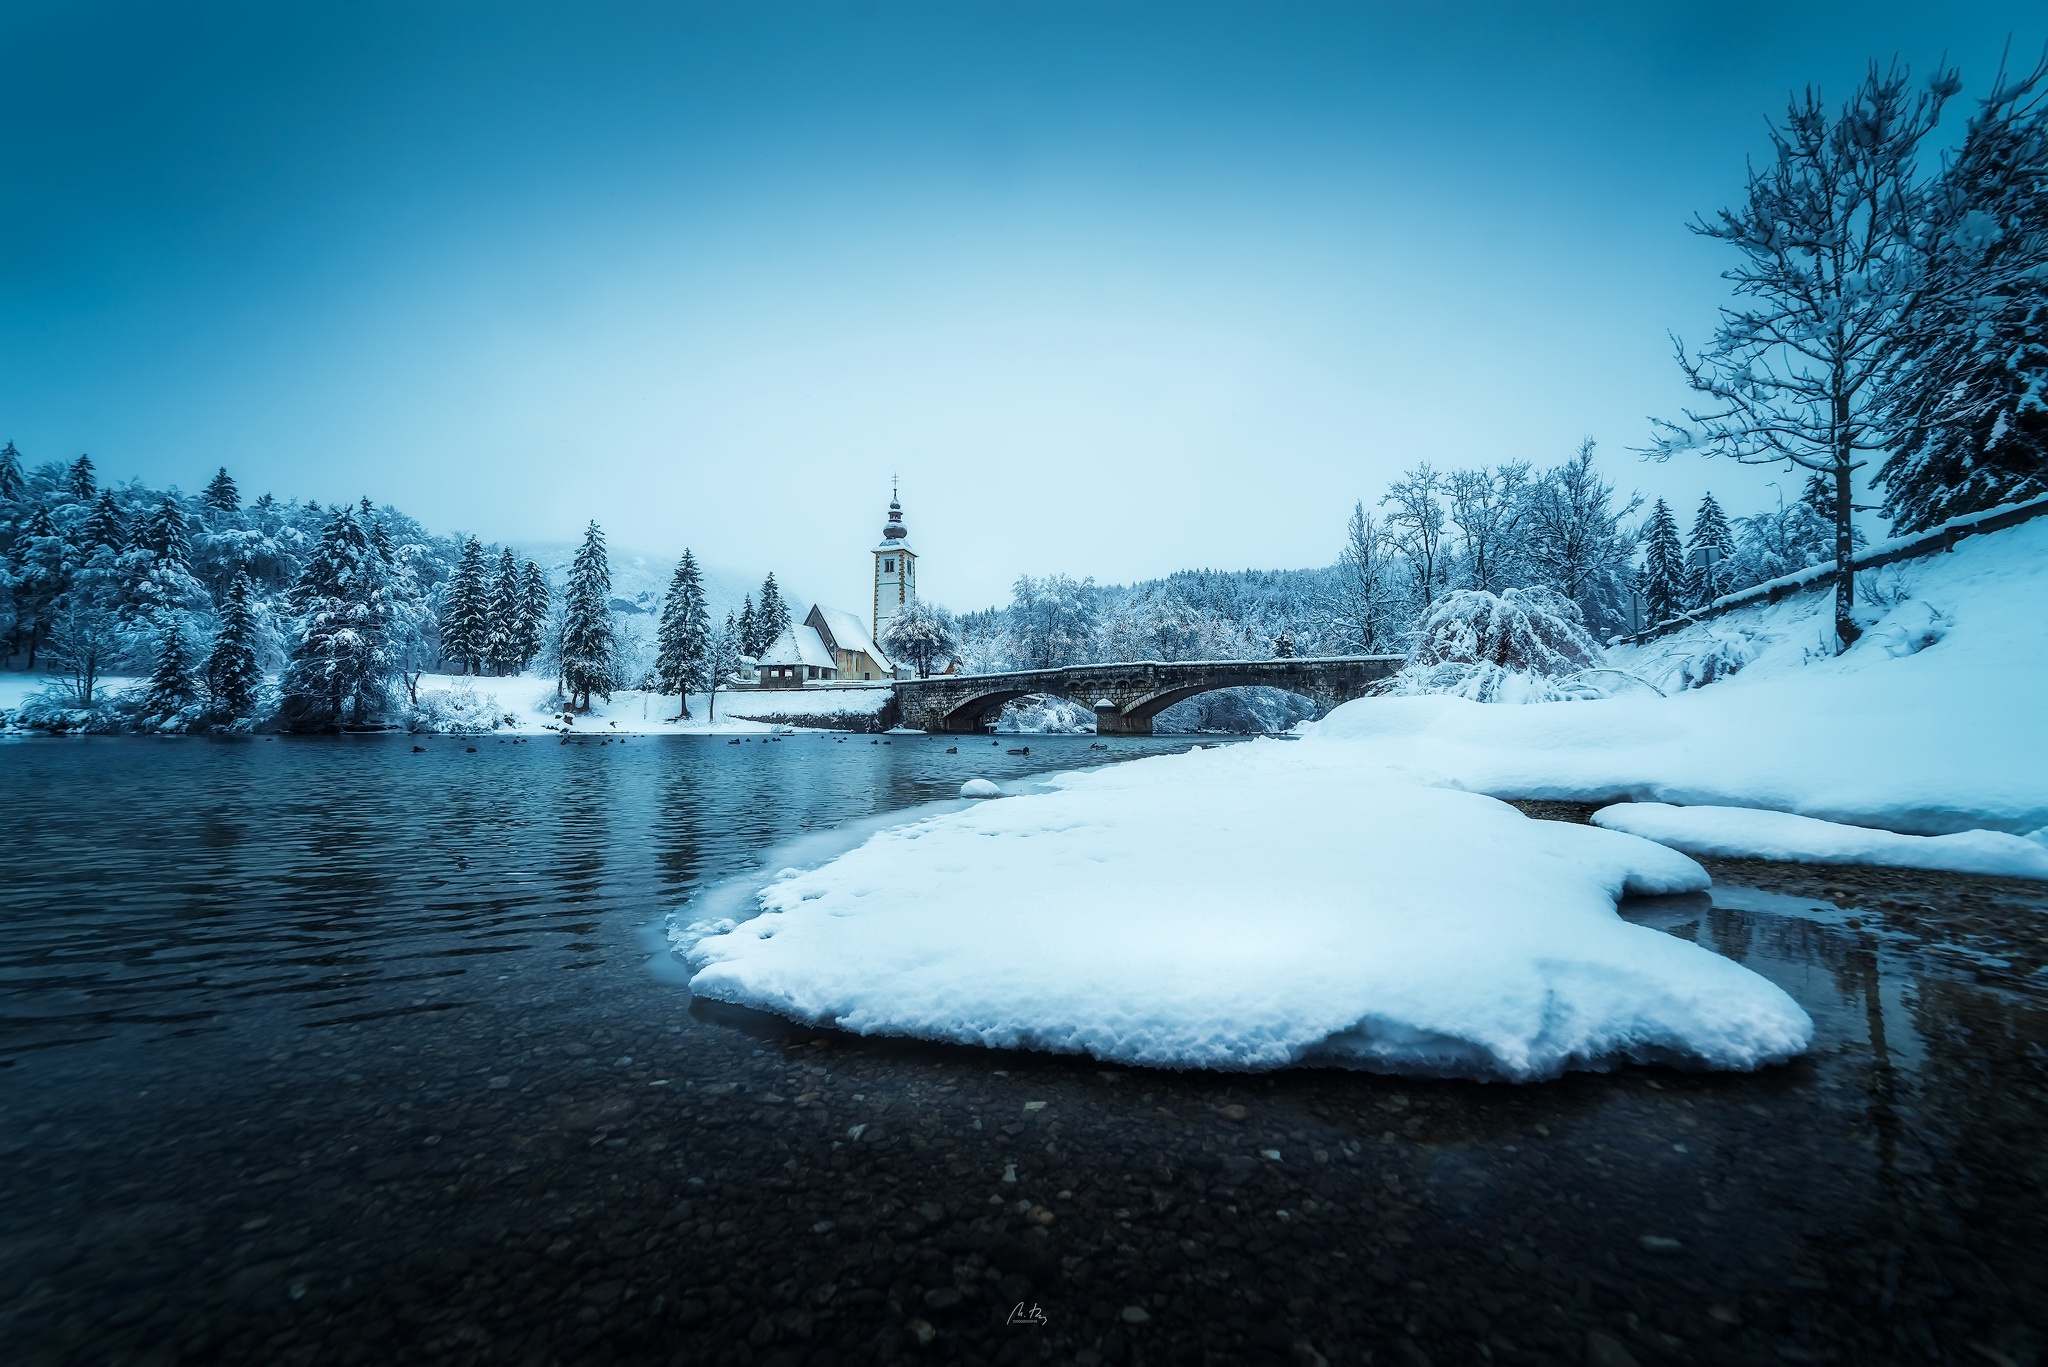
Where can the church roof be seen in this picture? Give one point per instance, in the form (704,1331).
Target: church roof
(800,645)
(846,631)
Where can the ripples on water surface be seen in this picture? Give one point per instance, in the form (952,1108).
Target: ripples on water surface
(166,889)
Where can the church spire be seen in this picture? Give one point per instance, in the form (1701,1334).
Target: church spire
(895,530)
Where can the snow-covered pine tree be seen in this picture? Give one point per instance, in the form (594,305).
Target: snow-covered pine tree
(13,485)
(589,650)
(232,673)
(103,563)
(158,568)
(1830,286)
(465,620)
(749,629)
(172,688)
(502,647)
(721,663)
(533,614)
(684,636)
(220,493)
(163,531)
(42,572)
(1969,402)
(1661,580)
(105,528)
(79,480)
(337,662)
(1709,553)
(772,617)
(379,534)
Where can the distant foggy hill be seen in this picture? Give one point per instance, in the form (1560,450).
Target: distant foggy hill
(639,579)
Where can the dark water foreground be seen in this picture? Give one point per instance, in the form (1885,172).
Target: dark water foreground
(332,1052)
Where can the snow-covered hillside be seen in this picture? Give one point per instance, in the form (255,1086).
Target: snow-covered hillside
(1933,722)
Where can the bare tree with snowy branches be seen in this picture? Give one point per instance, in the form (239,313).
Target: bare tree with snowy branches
(1829,282)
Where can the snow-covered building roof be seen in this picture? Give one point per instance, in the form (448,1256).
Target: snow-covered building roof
(800,645)
(848,633)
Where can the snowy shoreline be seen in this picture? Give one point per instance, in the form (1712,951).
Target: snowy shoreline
(1365,897)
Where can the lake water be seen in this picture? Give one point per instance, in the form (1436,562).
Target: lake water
(337,1051)
(205,899)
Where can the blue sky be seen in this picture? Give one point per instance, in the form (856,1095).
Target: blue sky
(1117,289)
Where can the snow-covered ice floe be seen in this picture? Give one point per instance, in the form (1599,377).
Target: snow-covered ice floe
(1745,832)
(1239,909)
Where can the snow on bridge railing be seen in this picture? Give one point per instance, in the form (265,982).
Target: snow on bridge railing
(1930,542)
(1168,664)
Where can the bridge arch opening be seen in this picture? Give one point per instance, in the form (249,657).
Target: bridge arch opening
(1237,709)
(981,713)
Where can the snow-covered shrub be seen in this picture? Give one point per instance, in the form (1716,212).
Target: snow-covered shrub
(1043,714)
(1885,587)
(57,709)
(1910,628)
(456,710)
(1524,645)
(1724,655)
(191,717)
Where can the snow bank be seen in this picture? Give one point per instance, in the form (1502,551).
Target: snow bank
(1238,908)
(1743,832)
(811,702)
(529,702)
(979,787)
(1932,723)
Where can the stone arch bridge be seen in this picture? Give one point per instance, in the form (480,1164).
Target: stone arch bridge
(1126,697)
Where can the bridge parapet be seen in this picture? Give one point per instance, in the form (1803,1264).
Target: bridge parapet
(1125,697)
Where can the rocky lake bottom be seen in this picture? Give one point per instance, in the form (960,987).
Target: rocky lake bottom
(408,1086)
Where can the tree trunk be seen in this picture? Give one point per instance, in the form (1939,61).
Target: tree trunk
(1846,630)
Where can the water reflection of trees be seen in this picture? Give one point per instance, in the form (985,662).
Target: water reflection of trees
(1980,1108)
(579,817)
(1927,1189)
(679,827)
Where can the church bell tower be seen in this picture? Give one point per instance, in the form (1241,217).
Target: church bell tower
(895,568)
